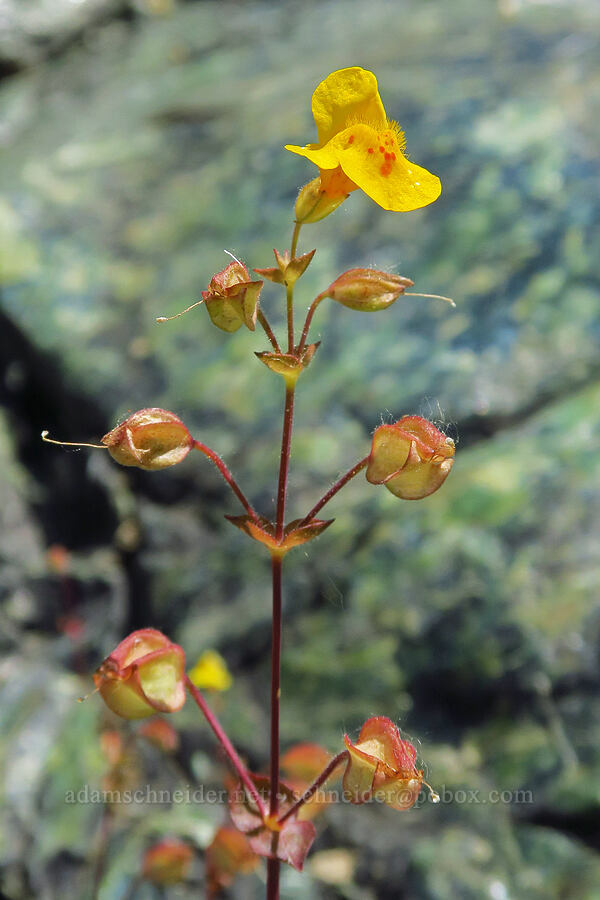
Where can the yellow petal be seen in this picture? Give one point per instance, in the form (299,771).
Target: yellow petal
(323,157)
(211,672)
(375,162)
(348,95)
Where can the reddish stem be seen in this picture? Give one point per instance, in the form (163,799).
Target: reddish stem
(268,331)
(228,478)
(333,490)
(228,747)
(290,317)
(311,311)
(319,780)
(276,562)
(286,440)
(275,685)
(273,879)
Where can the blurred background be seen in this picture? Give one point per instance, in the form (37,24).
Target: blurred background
(141,140)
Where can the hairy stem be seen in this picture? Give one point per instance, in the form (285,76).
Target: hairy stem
(290,316)
(275,685)
(284,464)
(268,331)
(295,236)
(228,747)
(214,457)
(334,489)
(311,311)
(319,780)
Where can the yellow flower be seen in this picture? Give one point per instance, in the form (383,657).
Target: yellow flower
(359,147)
(211,672)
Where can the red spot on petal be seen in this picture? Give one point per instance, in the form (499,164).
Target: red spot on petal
(351,139)
(370,150)
(388,156)
(381,150)
(393,155)
(386,168)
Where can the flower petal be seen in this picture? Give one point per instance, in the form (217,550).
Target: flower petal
(345,96)
(324,157)
(375,162)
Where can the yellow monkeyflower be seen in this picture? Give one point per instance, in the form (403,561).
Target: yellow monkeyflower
(211,672)
(359,147)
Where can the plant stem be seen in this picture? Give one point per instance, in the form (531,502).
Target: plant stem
(275,686)
(284,464)
(319,780)
(311,311)
(333,490)
(295,236)
(226,744)
(198,445)
(273,865)
(268,331)
(290,316)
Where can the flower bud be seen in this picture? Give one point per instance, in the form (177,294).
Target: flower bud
(382,766)
(149,439)
(143,675)
(232,298)
(367,290)
(167,862)
(412,458)
(313,204)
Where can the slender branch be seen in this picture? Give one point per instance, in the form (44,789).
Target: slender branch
(319,780)
(311,311)
(334,489)
(268,331)
(226,744)
(214,457)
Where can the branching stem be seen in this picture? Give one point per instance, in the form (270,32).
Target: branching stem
(311,311)
(334,489)
(228,747)
(319,780)
(214,457)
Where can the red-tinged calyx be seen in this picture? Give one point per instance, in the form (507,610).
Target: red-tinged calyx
(289,365)
(149,439)
(381,766)
(288,271)
(367,290)
(295,534)
(232,298)
(412,458)
(144,674)
(288,841)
